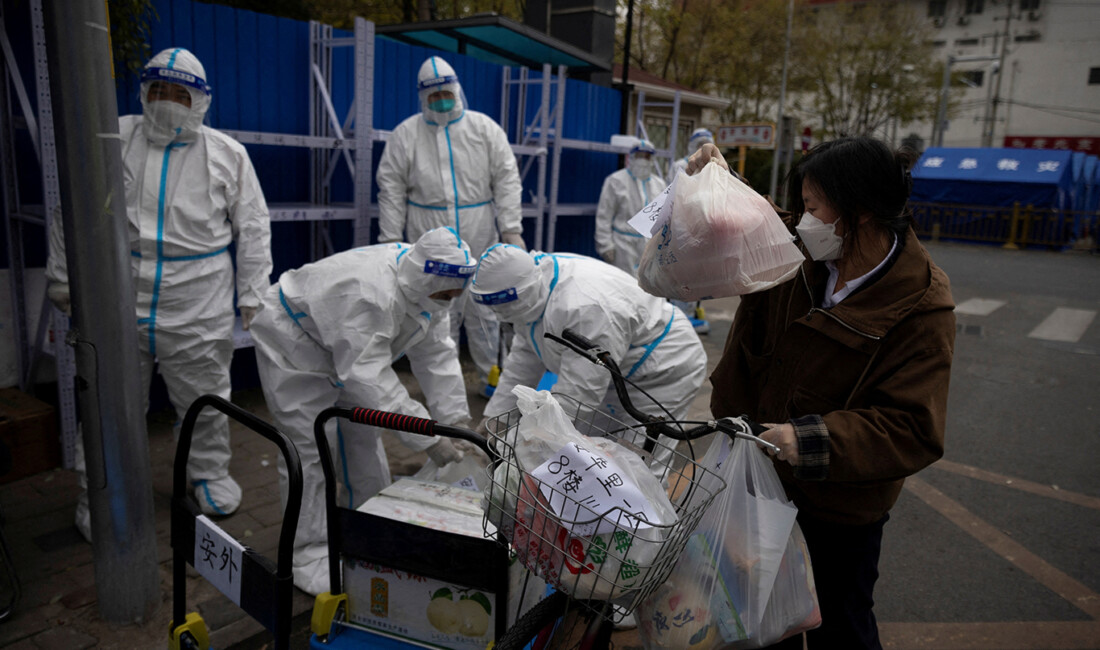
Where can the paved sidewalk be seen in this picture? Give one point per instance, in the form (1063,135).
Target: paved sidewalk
(57,608)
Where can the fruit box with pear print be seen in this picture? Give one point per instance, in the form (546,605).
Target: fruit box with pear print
(417,567)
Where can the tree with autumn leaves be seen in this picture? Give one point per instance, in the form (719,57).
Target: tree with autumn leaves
(855,67)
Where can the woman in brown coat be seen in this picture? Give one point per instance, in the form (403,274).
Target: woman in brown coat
(851,358)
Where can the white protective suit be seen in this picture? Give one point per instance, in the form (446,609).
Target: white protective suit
(698,138)
(452,168)
(651,341)
(327,335)
(191,191)
(624,193)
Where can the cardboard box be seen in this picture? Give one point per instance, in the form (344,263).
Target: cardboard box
(421,569)
(28,428)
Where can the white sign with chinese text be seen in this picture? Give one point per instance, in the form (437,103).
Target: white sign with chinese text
(744,135)
(582,483)
(218,558)
(655,214)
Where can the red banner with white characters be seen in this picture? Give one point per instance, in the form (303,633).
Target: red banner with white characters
(1087,144)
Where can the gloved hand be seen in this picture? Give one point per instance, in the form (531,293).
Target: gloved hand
(468,448)
(247,314)
(513,238)
(608,256)
(704,155)
(444,452)
(58,293)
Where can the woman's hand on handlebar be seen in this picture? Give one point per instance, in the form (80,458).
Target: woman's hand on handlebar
(782,436)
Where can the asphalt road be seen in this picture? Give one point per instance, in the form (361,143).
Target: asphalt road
(998,544)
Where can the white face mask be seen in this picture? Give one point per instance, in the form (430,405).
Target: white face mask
(642,168)
(168,115)
(166,118)
(820,238)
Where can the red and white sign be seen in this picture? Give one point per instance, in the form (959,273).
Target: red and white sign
(1087,144)
(807,139)
(745,135)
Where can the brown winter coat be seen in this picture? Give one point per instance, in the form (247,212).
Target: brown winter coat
(864,383)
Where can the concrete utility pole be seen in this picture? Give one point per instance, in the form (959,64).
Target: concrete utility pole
(989,126)
(782,99)
(940,126)
(93,204)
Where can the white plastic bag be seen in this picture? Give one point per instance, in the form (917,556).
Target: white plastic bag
(721,239)
(725,581)
(468,473)
(561,537)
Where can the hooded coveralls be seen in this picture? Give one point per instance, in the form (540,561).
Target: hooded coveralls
(452,168)
(191,191)
(327,335)
(653,343)
(622,196)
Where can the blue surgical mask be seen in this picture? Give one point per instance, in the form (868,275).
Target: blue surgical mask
(442,105)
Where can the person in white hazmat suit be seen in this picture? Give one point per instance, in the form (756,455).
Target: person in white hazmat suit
(698,138)
(191,191)
(653,343)
(327,335)
(451,166)
(624,193)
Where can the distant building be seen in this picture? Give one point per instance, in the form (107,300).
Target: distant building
(1049,94)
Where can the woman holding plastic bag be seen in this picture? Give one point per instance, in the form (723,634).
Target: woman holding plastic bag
(851,359)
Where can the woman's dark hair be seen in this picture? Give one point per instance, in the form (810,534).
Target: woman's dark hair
(857,175)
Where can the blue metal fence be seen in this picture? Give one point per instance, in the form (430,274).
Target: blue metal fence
(258,66)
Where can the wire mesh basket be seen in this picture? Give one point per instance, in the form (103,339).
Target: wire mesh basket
(597,555)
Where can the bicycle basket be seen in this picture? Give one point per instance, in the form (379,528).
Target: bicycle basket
(595,557)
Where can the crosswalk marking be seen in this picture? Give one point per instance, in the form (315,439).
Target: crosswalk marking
(1064,324)
(979,306)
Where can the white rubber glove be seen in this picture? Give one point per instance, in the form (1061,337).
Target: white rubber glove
(608,256)
(707,153)
(444,452)
(247,314)
(513,238)
(58,293)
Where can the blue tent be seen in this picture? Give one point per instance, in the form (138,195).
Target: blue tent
(1043,178)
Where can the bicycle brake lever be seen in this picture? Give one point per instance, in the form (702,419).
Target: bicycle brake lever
(745,429)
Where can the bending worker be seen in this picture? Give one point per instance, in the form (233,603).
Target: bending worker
(191,191)
(699,137)
(624,193)
(653,343)
(450,166)
(327,335)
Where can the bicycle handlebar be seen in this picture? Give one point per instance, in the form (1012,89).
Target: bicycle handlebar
(741,427)
(399,422)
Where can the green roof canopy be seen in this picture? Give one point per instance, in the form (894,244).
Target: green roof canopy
(495,39)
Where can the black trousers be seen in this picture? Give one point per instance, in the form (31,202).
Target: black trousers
(845,563)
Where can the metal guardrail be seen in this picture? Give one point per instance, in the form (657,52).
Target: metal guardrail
(1016,226)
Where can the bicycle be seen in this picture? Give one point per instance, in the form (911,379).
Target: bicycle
(518,515)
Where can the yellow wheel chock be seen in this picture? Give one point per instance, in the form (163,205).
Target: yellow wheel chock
(192,635)
(325,609)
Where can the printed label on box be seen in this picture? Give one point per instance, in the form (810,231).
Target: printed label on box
(417,607)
